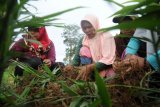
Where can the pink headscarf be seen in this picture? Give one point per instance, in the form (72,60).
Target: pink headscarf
(102,46)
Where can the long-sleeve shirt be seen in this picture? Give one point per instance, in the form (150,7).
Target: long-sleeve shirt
(20,47)
(134,45)
(76,60)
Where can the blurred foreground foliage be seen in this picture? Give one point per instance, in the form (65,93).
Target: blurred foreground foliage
(60,89)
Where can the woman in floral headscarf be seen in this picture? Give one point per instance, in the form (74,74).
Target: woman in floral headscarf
(34,49)
(95,50)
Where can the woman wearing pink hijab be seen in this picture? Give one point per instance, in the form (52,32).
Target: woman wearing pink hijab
(95,50)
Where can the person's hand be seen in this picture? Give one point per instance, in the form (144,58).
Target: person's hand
(123,65)
(135,62)
(129,64)
(68,68)
(116,65)
(85,71)
(47,62)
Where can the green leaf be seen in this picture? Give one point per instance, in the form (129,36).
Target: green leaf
(56,71)
(149,9)
(139,38)
(26,67)
(112,1)
(84,104)
(68,90)
(125,11)
(79,83)
(130,9)
(46,68)
(75,102)
(25,92)
(131,1)
(148,22)
(102,91)
(42,21)
(10,94)
(95,103)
